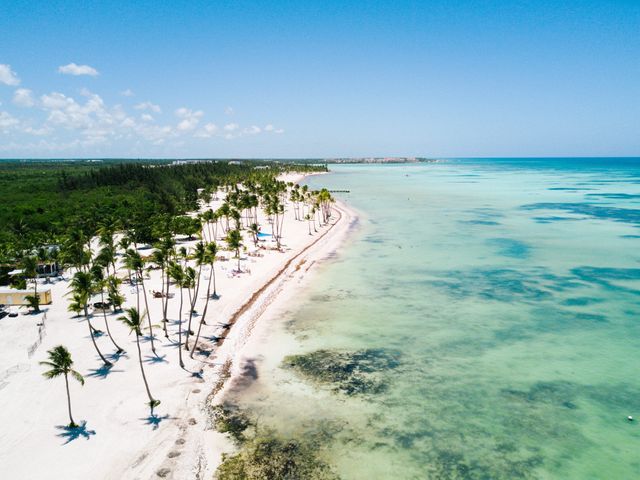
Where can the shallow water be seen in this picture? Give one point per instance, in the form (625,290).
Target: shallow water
(510,289)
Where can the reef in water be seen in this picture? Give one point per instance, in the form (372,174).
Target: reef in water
(350,372)
(263,454)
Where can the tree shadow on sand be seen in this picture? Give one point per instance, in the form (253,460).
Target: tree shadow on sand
(73,433)
(115,356)
(103,372)
(155,359)
(154,420)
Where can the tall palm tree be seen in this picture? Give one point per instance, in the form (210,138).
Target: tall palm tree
(100,283)
(134,261)
(189,284)
(177,273)
(133,320)
(61,364)
(210,257)
(30,267)
(199,255)
(160,258)
(234,240)
(82,288)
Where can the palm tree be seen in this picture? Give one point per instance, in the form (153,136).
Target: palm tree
(30,267)
(61,364)
(100,282)
(199,255)
(134,322)
(76,305)
(177,273)
(82,288)
(255,230)
(116,299)
(234,240)
(134,261)
(210,257)
(160,258)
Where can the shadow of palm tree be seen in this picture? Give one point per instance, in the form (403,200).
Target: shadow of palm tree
(115,356)
(73,433)
(154,420)
(103,372)
(155,359)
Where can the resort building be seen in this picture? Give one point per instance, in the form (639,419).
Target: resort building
(12,296)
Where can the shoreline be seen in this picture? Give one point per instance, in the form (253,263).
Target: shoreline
(118,433)
(260,311)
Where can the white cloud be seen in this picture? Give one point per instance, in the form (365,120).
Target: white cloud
(8,76)
(229,111)
(148,106)
(253,130)
(279,130)
(269,128)
(231,127)
(190,119)
(23,97)
(7,121)
(73,69)
(145,117)
(127,93)
(208,131)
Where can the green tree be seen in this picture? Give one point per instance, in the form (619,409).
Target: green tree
(134,261)
(30,267)
(61,363)
(100,283)
(133,320)
(234,241)
(210,257)
(82,288)
(177,273)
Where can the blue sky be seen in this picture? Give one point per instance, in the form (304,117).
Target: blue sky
(317,79)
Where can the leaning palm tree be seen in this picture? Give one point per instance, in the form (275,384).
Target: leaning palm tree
(82,288)
(210,256)
(133,320)
(177,273)
(134,261)
(199,255)
(61,364)
(100,283)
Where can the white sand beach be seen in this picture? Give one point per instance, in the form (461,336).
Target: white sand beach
(120,438)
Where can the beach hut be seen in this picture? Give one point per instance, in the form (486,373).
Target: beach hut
(13,296)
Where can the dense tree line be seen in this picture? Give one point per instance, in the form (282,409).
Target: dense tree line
(43,201)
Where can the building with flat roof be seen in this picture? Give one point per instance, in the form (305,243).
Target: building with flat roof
(13,296)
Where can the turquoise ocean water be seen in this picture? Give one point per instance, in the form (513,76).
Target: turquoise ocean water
(509,292)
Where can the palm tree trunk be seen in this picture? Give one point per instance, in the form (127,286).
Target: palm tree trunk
(66,381)
(166,304)
(164,299)
(86,314)
(106,324)
(146,305)
(35,290)
(204,313)
(144,377)
(180,330)
(193,305)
